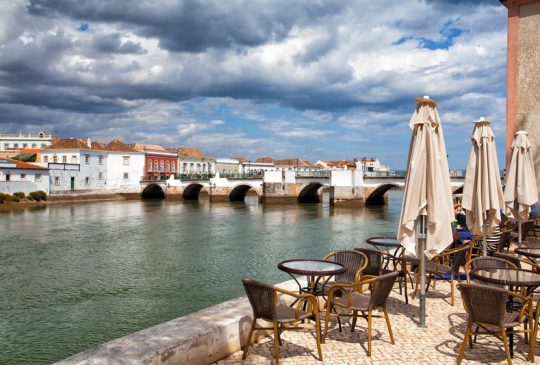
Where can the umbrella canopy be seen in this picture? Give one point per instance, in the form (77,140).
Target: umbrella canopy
(427,188)
(520,190)
(482,191)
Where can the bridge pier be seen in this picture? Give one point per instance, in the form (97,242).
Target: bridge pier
(279,187)
(347,189)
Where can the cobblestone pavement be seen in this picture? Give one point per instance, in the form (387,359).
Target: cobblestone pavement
(437,343)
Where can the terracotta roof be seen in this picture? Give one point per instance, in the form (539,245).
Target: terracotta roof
(141,147)
(240,159)
(24,165)
(119,146)
(340,163)
(74,143)
(293,162)
(190,152)
(265,160)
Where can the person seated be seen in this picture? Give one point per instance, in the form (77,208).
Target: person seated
(463,235)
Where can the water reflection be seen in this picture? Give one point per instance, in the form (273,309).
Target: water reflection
(79,275)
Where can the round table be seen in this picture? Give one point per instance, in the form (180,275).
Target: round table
(313,269)
(384,242)
(531,253)
(511,277)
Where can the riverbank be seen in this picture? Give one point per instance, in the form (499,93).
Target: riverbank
(65,199)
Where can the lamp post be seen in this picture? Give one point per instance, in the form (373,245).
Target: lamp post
(249,167)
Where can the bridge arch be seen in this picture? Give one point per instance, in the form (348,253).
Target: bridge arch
(377,196)
(153,191)
(191,192)
(238,193)
(309,194)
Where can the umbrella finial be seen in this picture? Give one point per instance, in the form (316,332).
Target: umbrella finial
(522,132)
(426,100)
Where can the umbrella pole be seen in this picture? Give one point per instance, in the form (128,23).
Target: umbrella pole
(519,230)
(484,239)
(421,236)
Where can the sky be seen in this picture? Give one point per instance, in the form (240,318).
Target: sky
(314,79)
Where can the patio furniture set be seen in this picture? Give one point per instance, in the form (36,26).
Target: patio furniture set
(499,296)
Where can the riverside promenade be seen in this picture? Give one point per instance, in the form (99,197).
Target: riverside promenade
(438,343)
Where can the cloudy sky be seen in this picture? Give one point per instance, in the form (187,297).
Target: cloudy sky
(312,79)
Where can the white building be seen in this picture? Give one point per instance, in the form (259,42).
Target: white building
(192,161)
(9,142)
(256,167)
(125,167)
(17,176)
(81,166)
(227,166)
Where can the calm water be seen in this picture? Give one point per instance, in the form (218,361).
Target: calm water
(73,276)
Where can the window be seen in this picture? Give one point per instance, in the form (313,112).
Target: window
(149,165)
(43,145)
(184,169)
(41,135)
(56,180)
(87,180)
(25,145)
(73,158)
(126,160)
(38,177)
(45,158)
(6,146)
(15,145)
(87,159)
(100,176)
(23,176)
(64,159)
(100,157)
(55,159)
(156,166)
(167,166)
(34,145)
(161,166)
(126,175)
(173,167)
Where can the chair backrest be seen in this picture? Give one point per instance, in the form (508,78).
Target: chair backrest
(461,256)
(508,257)
(261,297)
(504,239)
(375,261)
(381,288)
(525,228)
(353,261)
(487,262)
(483,303)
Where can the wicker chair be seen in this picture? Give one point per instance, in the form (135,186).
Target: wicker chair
(439,268)
(355,301)
(264,301)
(376,265)
(486,307)
(487,262)
(517,261)
(354,262)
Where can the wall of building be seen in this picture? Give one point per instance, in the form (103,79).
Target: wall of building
(24,180)
(91,176)
(528,80)
(124,170)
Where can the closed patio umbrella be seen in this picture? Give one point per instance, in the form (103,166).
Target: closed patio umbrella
(482,191)
(427,211)
(520,190)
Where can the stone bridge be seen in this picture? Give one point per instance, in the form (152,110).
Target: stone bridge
(346,188)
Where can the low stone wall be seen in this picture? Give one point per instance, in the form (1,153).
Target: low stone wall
(199,338)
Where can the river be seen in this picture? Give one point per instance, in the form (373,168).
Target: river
(76,275)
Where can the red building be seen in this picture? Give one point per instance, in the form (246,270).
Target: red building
(160,164)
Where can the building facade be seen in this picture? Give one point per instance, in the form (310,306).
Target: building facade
(160,164)
(17,176)
(125,167)
(10,142)
(227,166)
(192,161)
(523,78)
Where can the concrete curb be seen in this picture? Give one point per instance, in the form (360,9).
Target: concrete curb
(199,338)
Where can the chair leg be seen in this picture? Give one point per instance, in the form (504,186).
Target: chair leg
(506,348)
(369,334)
(276,343)
(318,335)
(354,318)
(452,289)
(248,340)
(388,325)
(466,338)
(327,321)
(405,286)
(416,286)
(534,333)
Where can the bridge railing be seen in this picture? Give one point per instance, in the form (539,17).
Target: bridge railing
(324,173)
(192,177)
(242,176)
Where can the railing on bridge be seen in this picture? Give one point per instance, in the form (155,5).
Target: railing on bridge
(322,173)
(193,177)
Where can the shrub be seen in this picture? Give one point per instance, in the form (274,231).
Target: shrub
(19,195)
(6,198)
(37,195)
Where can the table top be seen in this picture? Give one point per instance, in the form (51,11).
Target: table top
(311,267)
(508,277)
(531,252)
(384,241)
